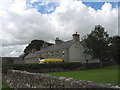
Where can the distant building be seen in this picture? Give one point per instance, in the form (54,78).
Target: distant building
(12,60)
(69,51)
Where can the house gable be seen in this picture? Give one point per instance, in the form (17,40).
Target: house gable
(76,52)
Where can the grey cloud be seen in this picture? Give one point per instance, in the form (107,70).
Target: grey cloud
(12,51)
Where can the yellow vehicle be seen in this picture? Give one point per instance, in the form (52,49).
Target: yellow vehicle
(50,60)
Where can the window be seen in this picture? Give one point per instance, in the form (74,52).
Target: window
(48,53)
(63,53)
(39,55)
(52,54)
(57,54)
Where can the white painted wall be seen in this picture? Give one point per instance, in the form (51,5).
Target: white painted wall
(76,53)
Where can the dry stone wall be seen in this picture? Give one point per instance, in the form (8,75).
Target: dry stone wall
(23,79)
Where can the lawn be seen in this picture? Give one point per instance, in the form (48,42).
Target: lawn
(107,74)
(4,85)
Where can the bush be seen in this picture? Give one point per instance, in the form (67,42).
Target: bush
(50,67)
(35,67)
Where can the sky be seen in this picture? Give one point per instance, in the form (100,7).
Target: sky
(24,20)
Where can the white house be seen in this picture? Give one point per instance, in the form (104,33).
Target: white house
(69,51)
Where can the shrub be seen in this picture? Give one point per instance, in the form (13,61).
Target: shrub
(35,67)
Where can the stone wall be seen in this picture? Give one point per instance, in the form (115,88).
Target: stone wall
(23,79)
(34,57)
(12,60)
(8,60)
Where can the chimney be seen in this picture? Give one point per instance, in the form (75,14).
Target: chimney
(76,37)
(58,41)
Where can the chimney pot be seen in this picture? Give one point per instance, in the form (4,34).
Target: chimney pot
(76,37)
(58,41)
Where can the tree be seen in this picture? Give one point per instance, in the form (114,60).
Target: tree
(114,49)
(35,45)
(97,43)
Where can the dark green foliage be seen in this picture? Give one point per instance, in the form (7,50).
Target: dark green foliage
(50,67)
(97,42)
(101,46)
(114,48)
(37,67)
(35,45)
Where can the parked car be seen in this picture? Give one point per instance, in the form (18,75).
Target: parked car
(50,60)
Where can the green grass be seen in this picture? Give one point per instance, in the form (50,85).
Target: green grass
(107,74)
(4,85)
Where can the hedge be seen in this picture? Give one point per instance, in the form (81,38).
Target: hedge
(65,65)
(50,66)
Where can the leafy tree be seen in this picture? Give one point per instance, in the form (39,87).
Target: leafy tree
(114,48)
(35,45)
(97,43)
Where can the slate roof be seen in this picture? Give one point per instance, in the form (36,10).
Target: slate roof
(63,45)
(58,46)
(32,55)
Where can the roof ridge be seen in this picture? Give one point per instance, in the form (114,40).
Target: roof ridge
(54,47)
(58,44)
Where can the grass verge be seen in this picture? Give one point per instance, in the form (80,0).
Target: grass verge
(4,85)
(107,74)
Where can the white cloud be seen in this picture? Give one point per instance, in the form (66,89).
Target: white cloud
(75,16)
(32,1)
(12,51)
(20,25)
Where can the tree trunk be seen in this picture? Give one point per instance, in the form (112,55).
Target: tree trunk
(101,64)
